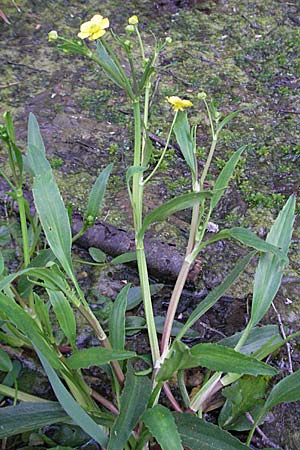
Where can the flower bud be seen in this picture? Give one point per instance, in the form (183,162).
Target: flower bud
(218,115)
(202,95)
(127,44)
(168,40)
(129,29)
(52,36)
(133,20)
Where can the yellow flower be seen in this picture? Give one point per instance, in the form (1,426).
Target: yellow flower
(94,29)
(133,20)
(52,36)
(179,104)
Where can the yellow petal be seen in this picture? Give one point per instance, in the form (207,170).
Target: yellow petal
(104,23)
(96,18)
(84,28)
(83,35)
(97,35)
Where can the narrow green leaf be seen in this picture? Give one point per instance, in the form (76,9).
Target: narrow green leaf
(258,338)
(64,315)
(2,267)
(54,219)
(148,151)
(216,294)
(97,254)
(161,424)
(246,237)
(97,194)
(227,120)
(117,320)
(134,324)
(36,148)
(72,408)
(225,359)
(149,69)
(124,258)
(5,362)
(176,328)
(184,139)
(179,203)
(96,356)
(134,399)
(43,316)
(113,73)
(286,391)
(224,177)
(213,356)
(198,434)
(135,295)
(132,170)
(9,126)
(29,416)
(270,267)
(28,327)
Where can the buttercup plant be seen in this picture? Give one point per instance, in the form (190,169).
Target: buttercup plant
(133,416)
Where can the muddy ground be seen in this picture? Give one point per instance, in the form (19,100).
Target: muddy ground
(245,55)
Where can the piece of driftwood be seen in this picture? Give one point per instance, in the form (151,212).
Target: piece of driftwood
(164,260)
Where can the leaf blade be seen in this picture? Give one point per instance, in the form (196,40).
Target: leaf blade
(161,424)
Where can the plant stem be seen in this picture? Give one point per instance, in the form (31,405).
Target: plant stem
(163,152)
(26,250)
(103,401)
(137,200)
(91,319)
(180,282)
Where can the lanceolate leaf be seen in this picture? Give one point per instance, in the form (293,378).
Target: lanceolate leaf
(96,356)
(213,356)
(248,238)
(97,194)
(134,399)
(113,73)
(184,201)
(34,136)
(64,314)
(258,338)
(124,258)
(224,177)
(135,296)
(72,408)
(216,294)
(184,139)
(270,267)
(54,218)
(161,424)
(227,120)
(198,434)
(287,390)
(117,320)
(30,416)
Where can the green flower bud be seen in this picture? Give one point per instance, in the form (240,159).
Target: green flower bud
(202,95)
(52,36)
(129,29)
(168,40)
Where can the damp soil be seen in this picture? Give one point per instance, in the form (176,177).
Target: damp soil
(243,54)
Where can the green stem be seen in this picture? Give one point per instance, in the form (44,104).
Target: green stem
(144,280)
(205,392)
(26,249)
(140,43)
(208,161)
(137,199)
(164,151)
